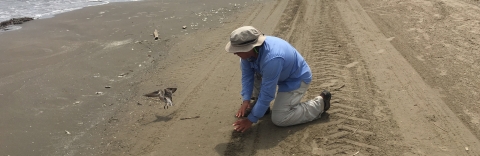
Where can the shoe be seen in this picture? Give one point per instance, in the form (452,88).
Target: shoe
(326,99)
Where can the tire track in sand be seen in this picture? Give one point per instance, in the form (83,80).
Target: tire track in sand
(326,60)
(357,122)
(427,126)
(356,118)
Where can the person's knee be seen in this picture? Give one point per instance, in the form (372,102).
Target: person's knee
(279,120)
(279,123)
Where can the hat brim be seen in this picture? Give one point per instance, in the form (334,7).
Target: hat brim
(235,49)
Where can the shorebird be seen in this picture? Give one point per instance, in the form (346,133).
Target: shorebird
(164,95)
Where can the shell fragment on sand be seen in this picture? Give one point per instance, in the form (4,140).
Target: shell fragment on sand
(155,34)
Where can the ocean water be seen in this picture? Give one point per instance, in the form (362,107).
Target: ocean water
(44,8)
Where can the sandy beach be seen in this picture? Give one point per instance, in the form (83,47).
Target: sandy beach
(62,78)
(403,76)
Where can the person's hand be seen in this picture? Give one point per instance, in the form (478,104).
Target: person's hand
(241,112)
(242,125)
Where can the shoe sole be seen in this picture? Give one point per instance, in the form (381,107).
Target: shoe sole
(327,96)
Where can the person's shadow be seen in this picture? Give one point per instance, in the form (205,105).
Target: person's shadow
(263,135)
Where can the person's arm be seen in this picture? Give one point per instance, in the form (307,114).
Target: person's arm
(270,75)
(247,87)
(247,80)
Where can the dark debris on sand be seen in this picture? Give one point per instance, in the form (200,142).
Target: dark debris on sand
(14,21)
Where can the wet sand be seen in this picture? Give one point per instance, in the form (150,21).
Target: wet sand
(62,77)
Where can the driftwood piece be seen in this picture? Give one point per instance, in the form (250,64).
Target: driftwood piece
(14,21)
(155,34)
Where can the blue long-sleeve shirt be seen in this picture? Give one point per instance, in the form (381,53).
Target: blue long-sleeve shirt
(279,63)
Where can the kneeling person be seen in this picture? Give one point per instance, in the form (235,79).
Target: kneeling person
(268,61)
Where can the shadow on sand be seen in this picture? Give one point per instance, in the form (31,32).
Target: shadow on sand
(263,135)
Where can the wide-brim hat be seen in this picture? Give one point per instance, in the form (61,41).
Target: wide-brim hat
(244,39)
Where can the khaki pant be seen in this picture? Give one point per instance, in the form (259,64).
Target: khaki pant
(287,109)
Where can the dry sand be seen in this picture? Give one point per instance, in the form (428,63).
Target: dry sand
(403,74)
